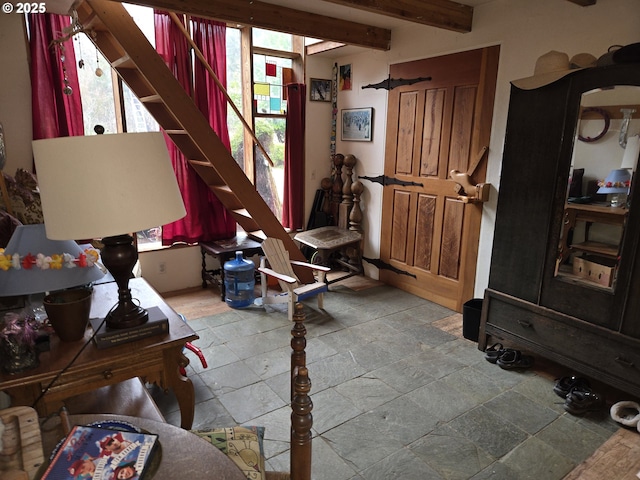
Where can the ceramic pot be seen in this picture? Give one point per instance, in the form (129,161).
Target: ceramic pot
(68,312)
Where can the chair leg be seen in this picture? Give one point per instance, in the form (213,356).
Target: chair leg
(291,305)
(263,279)
(321,301)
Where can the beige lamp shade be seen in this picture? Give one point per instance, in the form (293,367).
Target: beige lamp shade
(104,185)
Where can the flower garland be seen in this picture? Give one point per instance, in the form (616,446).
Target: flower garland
(45,262)
(625,184)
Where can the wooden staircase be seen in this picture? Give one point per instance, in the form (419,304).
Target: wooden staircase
(135,60)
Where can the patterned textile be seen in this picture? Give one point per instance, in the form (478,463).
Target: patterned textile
(243,445)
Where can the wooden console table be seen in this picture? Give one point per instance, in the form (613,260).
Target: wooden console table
(223,251)
(155,359)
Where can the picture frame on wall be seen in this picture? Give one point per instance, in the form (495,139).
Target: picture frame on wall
(357,124)
(345,77)
(320,90)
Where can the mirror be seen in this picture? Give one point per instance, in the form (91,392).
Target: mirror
(605,157)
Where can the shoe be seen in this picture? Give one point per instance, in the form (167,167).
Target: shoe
(512,359)
(579,402)
(494,352)
(626,413)
(565,385)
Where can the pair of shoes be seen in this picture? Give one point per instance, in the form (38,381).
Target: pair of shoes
(514,359)
(493,353)
(579,402)
(626,413)
(566,385)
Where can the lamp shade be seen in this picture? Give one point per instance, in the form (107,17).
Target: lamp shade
(31,239)
(618,181)
(104,185)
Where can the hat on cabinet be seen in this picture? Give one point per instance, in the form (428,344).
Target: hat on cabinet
(553,66)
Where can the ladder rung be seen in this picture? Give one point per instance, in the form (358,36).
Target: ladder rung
(242,212)
(123,62)
(201,163)
(176,132)
(151,99)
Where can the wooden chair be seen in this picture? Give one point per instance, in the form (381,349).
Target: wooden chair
(21,451)
(281,268)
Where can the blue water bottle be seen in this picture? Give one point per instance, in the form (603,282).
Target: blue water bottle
(239,281)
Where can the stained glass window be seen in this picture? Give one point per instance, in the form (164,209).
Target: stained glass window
(270,74)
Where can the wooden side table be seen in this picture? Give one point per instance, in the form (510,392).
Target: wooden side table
(223,251)
(155,359)
(184,454)
(328,240)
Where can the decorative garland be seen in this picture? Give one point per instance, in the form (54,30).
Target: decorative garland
(607,120)
(625,184)
(47,262)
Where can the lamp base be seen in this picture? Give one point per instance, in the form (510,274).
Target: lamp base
(119,256)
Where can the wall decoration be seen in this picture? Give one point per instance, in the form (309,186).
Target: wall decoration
(357,124)
(345,77)
(320,90)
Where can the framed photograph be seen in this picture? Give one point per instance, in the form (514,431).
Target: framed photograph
(320,90)
(357,124)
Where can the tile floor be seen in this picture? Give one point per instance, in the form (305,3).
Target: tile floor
(398,393)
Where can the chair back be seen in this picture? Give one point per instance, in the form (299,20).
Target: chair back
(21,451)
(278,258)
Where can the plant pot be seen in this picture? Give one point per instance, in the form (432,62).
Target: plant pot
(68,312)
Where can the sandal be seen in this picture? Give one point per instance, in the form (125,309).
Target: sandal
(579,402)
(566,385)
(512,359)
(493,353)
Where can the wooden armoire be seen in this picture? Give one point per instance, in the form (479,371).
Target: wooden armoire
(536,298)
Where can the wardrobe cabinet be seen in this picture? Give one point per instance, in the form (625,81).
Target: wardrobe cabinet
(537,297)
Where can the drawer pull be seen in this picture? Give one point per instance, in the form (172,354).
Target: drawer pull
(524,323)
(107,374)
(624,363)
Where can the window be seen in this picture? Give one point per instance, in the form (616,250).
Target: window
(258,94)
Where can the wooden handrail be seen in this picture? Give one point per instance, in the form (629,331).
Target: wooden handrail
(198,53)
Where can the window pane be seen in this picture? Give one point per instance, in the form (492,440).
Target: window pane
(273,40)
(137,116)
(269,76)
(96,87)
(234,89)
(270,180)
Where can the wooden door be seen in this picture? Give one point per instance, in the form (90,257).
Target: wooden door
(429,235)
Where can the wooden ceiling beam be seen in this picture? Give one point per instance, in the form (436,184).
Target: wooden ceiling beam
(435,13)
(584,3)
(274,17)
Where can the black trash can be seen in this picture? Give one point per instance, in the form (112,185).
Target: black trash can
(471,312)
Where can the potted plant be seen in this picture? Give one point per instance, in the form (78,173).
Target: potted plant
(18,335)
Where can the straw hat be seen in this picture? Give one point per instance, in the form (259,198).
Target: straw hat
(553,66)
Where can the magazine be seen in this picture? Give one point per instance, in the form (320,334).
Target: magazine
(102,454)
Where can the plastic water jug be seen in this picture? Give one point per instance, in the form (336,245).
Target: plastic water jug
(239,281)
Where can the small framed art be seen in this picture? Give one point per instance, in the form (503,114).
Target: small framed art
(357,124)
(320,90)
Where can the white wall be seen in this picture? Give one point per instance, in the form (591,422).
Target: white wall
(524,29)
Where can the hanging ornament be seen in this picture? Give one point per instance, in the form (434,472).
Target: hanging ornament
(67,90)
(81,61)
(98,69)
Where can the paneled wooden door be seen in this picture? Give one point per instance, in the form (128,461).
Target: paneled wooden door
(429,236)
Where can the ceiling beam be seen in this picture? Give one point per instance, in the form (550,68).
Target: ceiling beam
(435,13)
(274,17)
(584,3)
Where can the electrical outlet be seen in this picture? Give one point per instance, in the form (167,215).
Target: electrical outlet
(162,268)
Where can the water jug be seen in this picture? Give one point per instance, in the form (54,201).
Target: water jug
(239,281)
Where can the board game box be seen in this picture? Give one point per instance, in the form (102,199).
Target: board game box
(97,453)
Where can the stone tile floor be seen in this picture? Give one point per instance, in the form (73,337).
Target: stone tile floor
(397,392)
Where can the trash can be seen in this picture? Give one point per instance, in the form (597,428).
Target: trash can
(471,313)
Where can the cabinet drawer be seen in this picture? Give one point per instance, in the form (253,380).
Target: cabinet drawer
(601,354)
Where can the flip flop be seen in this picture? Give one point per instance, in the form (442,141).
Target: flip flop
(565,385)
(514,359)
(494,352)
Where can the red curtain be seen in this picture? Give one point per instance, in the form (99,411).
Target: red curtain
(54,113)
(206,218)
(292,203)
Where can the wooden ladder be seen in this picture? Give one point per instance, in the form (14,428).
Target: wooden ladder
(135,60)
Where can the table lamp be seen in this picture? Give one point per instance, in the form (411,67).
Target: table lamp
(33,264)
(108,186)
(617,183)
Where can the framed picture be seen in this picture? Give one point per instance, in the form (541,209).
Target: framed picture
(345,77)
(320,90)
(357,124)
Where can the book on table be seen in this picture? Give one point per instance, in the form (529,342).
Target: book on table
(102,454)
(158,324)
